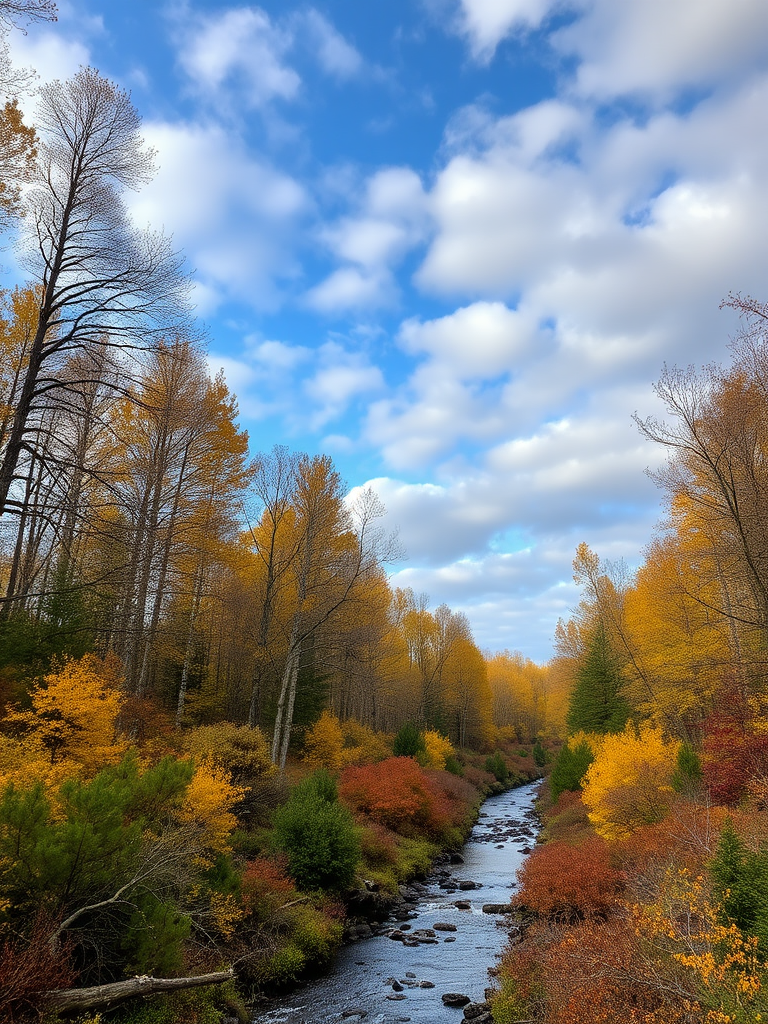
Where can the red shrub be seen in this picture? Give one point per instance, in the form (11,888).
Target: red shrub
(734,756)
(564,882)
(398,794)
(266,886)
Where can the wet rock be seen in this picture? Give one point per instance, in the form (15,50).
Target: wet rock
(409,893)
(426,984)
(456,858)
(465,885)
(497,908)
(410,942)
(410,974)
(525,849)
(463,905)
(395,997)
(474,1010)
(397,935)
(396,986)
(444,926)
(354,1011)
(451,938)
(455,999)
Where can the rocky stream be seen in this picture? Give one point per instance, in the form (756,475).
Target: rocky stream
(428,961)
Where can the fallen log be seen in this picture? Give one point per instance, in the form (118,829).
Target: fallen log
(65,999)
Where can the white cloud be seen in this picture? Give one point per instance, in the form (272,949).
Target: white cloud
(390,218)
(659,47)
(234,215)
(481,340)
(336,56)
(341,377)
(487,22)
(240,47)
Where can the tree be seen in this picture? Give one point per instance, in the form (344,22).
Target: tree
(103,283)
(630,781)
(597,704)
(336,551)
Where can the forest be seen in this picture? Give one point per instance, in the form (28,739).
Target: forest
(218,717)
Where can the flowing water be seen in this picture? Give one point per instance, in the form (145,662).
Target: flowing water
(360,985)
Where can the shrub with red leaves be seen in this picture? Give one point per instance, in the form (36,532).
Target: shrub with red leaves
(734,756)
(567,883)
(397,793)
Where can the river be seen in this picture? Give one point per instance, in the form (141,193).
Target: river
(457,962)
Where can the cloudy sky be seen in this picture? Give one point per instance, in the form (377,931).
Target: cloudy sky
(451,243)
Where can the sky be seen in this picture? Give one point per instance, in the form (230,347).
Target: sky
(452,243)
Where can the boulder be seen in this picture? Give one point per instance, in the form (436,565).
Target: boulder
(455,999)
(444,926)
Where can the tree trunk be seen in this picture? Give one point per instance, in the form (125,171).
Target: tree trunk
(65,1000)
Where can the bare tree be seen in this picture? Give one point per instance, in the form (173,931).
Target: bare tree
(104,284)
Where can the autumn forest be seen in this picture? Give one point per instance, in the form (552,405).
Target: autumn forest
(218,717)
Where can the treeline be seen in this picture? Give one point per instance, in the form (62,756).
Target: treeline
(648,900)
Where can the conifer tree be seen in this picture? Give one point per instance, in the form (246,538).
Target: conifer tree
(596,703)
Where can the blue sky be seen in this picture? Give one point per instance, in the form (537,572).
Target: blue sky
(451,243)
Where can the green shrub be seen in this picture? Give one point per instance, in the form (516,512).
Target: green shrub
(320,840)
(409,742)
(497,766)
(688,773)
(539,754)
(570,768)
(283,967)
(321,784)
(454,766)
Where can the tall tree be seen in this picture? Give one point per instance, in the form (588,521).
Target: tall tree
(102,282)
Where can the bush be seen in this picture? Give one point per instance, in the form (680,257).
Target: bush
(398,794)
(539,754)
(320,840)
(688,773)
(567,883)
(496,765)
(570,768)
(409,742)
(324,743)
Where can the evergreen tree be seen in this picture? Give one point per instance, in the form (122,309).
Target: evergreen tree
(596,703)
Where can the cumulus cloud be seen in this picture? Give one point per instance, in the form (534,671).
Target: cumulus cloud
(658,48)
(389,219)
(245,52)
(486,22)
(233,213)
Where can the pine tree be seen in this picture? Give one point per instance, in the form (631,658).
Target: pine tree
(596,703)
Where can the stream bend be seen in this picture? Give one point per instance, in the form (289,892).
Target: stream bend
(360,986)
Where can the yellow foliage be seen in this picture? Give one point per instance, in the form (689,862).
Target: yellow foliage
(324,744)
(724,961)
(629,782)
(208,802)
(74,719)
(437,750)
(363,745)
(593,740)
(242,751)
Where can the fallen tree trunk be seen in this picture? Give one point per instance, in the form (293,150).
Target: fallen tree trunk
(98,996)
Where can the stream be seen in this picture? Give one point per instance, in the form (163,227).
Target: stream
(360,986)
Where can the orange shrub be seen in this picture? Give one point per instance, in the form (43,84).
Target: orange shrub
(564,882)
(398,794)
